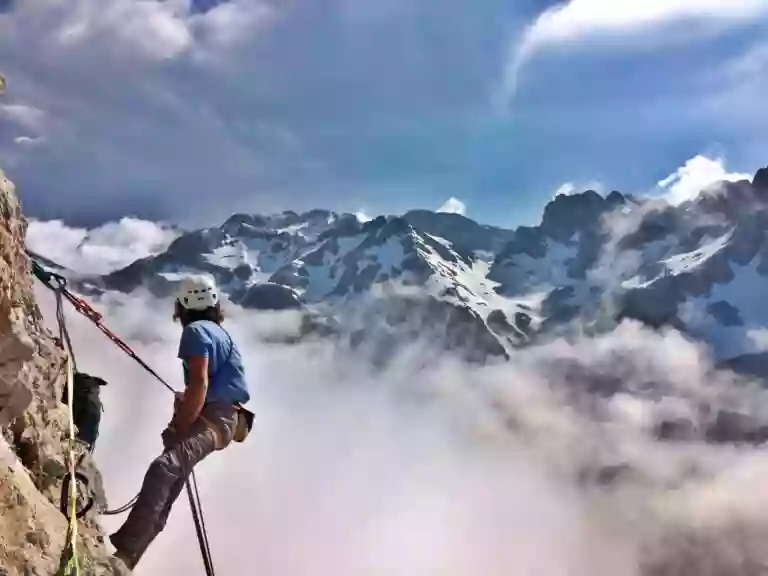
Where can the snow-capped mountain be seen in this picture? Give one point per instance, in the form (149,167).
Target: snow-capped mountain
(699,267)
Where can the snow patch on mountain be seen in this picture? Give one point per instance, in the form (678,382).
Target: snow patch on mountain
(683,263)
(675,264)
(732,317)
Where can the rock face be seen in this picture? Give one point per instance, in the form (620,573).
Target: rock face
(33,422)
(270,296)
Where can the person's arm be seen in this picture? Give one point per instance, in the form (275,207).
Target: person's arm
(194,396)
(193,349)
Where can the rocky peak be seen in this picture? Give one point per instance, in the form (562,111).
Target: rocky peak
(760,182)
(395,226)
(731,199)
(237,223)
(655,225)
(570,212)
(375,224)
(346,225)
(189,245)
(464,234)
(616,198)
(33,421)
(318,214)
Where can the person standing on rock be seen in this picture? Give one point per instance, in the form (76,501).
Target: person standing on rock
(205,416)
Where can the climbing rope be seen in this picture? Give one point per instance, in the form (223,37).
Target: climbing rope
(47,278)
(199,520)
(122,509)
(70,562)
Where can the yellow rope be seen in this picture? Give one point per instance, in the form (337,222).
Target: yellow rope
(72,566)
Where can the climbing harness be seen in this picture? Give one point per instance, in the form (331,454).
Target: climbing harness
(60,289)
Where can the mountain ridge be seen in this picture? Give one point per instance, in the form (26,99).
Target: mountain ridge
(592,261)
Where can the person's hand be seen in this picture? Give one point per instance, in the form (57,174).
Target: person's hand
(181,432)
(169,438)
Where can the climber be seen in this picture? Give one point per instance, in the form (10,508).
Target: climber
(205,415)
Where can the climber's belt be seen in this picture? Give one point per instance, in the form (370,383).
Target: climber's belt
(242,427)
(244,424)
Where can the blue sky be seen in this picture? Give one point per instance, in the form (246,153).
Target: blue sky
(189,112)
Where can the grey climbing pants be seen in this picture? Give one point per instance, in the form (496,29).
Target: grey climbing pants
(166,477)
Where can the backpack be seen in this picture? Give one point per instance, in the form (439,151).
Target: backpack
(87,409)
(86,414)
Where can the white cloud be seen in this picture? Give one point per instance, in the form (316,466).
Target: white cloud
(753,62)
(577,19)
(28,140)
(362,216)
(447,470)
(144,102)
(584,17)
(568,188)
(150,28)
(731,98)
(696,175)
(144,29)
(24,115)
(758,339)
(453,206)
(100,250)
(230,23)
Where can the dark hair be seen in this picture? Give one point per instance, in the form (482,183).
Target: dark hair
(212,314)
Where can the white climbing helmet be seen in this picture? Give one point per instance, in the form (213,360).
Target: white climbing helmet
(198,293)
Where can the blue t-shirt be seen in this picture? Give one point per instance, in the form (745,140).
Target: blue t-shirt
(226,374)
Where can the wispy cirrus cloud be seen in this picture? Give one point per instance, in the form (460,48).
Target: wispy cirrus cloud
(576,20)
(25,116)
